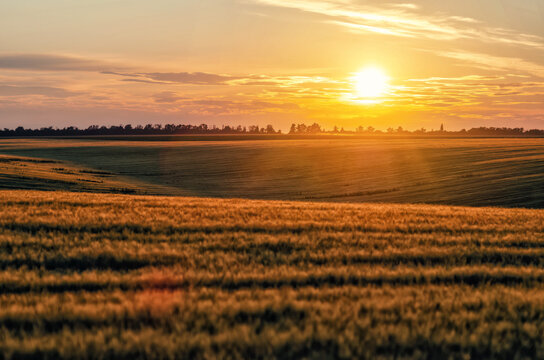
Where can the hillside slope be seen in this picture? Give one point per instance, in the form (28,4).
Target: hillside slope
(124,276)
(25,173)
(465,172)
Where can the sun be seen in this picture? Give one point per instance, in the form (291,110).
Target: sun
(369,83)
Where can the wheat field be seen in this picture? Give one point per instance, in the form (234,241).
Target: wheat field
(102,276)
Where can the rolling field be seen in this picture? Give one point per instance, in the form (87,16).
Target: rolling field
(450,171)
(92,276)
(43,174)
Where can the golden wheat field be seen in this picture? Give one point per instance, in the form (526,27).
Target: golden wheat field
(102,276)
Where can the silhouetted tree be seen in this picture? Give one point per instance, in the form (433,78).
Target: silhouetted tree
(293,129)
(315,128)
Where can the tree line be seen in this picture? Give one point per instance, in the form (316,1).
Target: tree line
(295,129)
(149,129)
(479,131)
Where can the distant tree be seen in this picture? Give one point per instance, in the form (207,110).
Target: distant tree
(314,128)
(293,129)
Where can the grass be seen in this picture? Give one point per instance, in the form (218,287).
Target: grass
(449,171)
(123,276)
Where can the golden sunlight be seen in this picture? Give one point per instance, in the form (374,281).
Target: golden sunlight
(371,82)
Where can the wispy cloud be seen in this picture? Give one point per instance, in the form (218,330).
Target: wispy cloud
(145,81)
(168,97)
(198,78)
(195,78)
(44,62)
(496,63)
(405,6)
(405,20)
(203,78)
(54,92)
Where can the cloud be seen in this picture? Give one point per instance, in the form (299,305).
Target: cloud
(197,78)
(259,82)
(194,78)
(405,6)
(468,94)
(144,81)
(167,97)
(212,102)
(42,62)
(496,63)
(118,73)
(203,78)
(54,92)
(404,20)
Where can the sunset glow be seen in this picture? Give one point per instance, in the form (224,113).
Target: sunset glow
(461,63)
(370,83)
(272,179)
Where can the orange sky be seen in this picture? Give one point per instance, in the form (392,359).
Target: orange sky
(462,63)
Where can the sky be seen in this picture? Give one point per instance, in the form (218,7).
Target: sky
(462,63)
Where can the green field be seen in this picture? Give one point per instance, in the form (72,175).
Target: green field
(123,276)
(452,171)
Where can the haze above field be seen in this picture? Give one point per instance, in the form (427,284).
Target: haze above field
(347,63)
